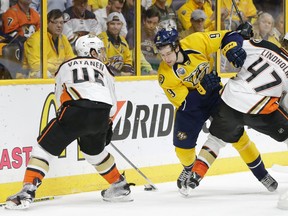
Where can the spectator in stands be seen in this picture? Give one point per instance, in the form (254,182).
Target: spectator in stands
(128,12)
(102,16)
(274,7)
(246,8)
(118,53)
(168,17)
(20,21)
(51,5)
(58,49)
(78,21)
(94,5)
(151,21)
(279,26)
(185,11)
(129,15)
(197,20)
(263,28)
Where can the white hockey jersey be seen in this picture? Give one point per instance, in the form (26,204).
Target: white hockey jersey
(85,78)
(262,80)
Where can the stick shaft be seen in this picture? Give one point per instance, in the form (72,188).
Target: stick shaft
(136,168)
(237,11)
(41,199)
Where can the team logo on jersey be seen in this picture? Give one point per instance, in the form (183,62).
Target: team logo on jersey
(181,135)
(196,76)
(180,71)
(161,79)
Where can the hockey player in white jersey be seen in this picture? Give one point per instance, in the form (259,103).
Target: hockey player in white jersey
(86,96)
(252,99)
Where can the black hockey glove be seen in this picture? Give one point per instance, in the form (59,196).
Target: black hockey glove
(211,82)
(245,30)
(232,49)
(236,56)
(109,133)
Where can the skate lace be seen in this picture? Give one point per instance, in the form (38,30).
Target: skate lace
(184,175)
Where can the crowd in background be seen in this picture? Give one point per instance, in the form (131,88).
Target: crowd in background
(113,21)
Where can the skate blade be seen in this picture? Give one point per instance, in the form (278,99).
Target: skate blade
(186,192)
(13,206)
(125,198)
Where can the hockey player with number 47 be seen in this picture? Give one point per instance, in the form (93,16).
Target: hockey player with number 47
(86,96)
(186,76)
(254,98)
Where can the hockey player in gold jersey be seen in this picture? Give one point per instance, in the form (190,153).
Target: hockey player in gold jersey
(186,76)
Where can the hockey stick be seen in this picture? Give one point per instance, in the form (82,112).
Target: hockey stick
(237,11)
(148,187)
(41,199)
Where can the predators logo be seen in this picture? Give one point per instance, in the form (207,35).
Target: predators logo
(116,62)
(196,76)
(181,135)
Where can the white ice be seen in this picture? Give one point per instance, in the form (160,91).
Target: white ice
(238,194)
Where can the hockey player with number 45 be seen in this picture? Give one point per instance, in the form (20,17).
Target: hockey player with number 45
(86,96)
(186,76)
(254,98)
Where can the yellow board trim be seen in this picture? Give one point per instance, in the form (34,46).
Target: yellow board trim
(157,174)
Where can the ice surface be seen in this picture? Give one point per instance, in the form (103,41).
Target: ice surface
(238,194)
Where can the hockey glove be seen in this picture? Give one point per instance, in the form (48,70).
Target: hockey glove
(209,83)
(245,30)
(232,49)
(109,133)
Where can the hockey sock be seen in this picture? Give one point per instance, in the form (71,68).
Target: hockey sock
(36,168)
(108,170)
(251,156)
(105,165)
(200,168)
(186,156)
(208,155)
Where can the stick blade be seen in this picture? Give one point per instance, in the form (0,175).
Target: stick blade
(150,187)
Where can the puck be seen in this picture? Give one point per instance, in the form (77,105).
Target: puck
(148,188)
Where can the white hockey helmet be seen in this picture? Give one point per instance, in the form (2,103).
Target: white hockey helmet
(87,42)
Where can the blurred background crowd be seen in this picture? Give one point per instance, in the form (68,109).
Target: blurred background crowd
(114,22)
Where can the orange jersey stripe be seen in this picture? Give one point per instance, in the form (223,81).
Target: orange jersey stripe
(43,135)
(271,106)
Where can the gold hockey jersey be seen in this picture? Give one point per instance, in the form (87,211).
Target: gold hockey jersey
(197,48)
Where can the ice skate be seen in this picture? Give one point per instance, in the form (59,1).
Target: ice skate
(25,197)
(181,182)
(118,192)
(269,182)
(193,180)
